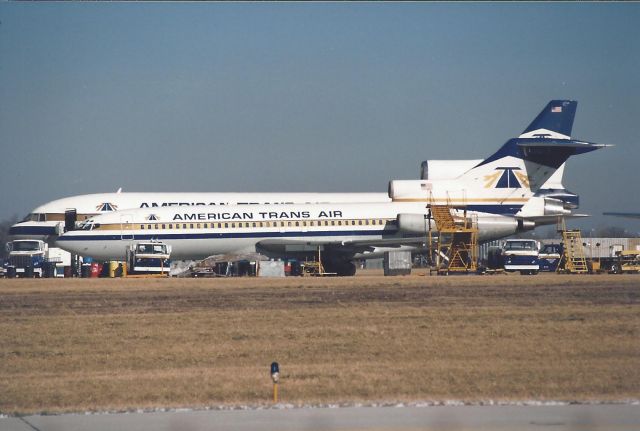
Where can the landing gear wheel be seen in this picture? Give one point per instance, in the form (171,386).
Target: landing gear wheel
(348,269)
(341,268)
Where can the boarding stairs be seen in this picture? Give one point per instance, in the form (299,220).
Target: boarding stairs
(573,257)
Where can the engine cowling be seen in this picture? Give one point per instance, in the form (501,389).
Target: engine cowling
(399,189)
(569,200)
(445,169)
(412,224)
(495,227)
(555,207)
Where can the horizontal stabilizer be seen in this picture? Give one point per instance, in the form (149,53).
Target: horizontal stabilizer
(553,152)
(627,215)
(550,219)
(553,143)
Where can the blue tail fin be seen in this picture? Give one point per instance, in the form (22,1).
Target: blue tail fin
(547,141)
(555,121)
(543,147)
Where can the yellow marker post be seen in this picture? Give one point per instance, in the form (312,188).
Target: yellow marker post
(275,376)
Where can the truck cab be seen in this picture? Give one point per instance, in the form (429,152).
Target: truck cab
(26,257)
(521,255)
(549,257)
(150,257)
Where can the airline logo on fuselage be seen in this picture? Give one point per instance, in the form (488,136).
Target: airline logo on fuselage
(107,206)
(259,215)
(506,178)
(192,204)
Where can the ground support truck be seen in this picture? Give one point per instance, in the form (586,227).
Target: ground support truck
(34,258)
(521,255)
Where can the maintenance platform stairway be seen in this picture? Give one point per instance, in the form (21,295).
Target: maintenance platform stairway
(573,259)
(457,241)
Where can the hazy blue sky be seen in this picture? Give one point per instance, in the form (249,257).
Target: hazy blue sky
(321,97)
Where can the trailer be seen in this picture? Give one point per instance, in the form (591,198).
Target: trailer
(626,262)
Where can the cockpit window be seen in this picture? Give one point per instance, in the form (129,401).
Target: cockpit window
(35,217)
(89,224)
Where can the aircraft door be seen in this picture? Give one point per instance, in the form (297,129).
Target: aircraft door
(70,218)
(126,227)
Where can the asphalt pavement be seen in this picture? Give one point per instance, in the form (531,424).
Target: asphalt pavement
(610,417)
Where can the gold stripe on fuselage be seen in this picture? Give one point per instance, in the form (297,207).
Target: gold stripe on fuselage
(242,225)
(444,201)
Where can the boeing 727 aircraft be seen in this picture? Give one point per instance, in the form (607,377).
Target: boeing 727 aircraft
(48,220)
(505,192)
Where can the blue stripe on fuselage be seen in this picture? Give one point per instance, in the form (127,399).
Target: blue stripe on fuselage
(32,230)
(504,209)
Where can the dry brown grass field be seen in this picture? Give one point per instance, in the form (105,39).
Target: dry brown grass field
(119,344)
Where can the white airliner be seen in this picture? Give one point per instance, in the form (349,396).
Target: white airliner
(48,220)
(505,192)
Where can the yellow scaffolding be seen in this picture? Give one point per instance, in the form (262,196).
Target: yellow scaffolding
(457,249)
(573,260)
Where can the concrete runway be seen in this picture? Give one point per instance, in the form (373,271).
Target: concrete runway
(451,418)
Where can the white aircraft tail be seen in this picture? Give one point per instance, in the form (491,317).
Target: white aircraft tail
(530,160)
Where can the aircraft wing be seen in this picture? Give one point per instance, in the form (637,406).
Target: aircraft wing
(627,215)
(346,247)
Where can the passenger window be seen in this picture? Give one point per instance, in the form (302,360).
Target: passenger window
(142,226)
(198,225)
(360,222)
(297,223)
(156,227)
(226,225)
(254,224)
(333,223)
(233,225)
(164,226)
